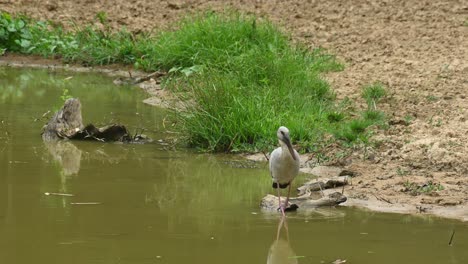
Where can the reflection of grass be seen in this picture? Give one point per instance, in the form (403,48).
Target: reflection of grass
(205,184)
(203,188)
(49,90)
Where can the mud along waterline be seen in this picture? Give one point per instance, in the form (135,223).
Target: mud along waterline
(137,203)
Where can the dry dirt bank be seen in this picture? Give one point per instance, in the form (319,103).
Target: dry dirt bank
(417,48)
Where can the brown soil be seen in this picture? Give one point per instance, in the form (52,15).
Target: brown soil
(418,49)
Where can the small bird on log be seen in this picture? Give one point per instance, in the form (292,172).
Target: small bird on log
(284,165)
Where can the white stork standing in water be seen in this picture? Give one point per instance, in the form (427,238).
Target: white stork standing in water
(284,165)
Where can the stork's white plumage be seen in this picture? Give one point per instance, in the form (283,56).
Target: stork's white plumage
(284,164)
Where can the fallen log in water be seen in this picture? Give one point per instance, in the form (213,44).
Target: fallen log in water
(270,202)
(67,124)
(322,184)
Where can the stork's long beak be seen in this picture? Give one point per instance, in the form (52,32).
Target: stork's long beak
(287,141)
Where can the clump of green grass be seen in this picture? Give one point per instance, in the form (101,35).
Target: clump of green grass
(257,81)
(374,116)
(335,116)
(373,94)
(352,130)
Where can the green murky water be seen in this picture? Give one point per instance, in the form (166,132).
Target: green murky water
(158,206)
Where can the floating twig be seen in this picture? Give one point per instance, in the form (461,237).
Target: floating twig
(43,116)
(266,157)
(59,194)
(90,203)
(451,237)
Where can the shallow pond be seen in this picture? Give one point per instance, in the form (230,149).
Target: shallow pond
(144,204)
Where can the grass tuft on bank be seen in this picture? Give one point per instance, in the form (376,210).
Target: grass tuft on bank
(240,76)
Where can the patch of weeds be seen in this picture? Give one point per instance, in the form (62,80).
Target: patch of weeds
(408,119)
(416,189)
(402,172)
(101,16)
(431,187)
(352,131)
(435,122)
(432,98)
(374,116)
(358,126)
(373,94)
(335,117)
(355,130)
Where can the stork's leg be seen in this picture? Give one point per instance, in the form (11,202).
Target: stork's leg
(281,207)
(287,197)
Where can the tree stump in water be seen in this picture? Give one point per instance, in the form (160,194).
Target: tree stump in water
(67,124)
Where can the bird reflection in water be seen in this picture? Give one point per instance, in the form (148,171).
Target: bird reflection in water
(280,251)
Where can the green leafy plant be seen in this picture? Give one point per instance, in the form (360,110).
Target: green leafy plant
(65,95)
(14,34)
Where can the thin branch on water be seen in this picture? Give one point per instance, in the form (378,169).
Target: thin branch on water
(266,157)
(91,136)
(451,237)
(43,116)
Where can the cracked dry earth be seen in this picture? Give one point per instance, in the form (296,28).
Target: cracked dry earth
(418,49)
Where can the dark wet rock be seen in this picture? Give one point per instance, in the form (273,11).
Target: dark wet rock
(348,173)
